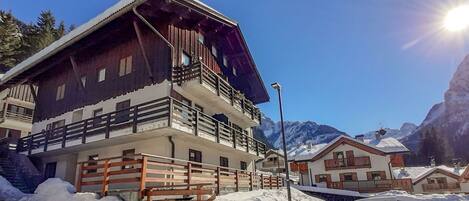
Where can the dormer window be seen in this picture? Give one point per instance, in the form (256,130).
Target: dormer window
(185,59)
(214,51)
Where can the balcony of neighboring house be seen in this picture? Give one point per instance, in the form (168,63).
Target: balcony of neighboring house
(17,113)
(441,187)
(204,84)
(373,186)
(165,116)
(347,163)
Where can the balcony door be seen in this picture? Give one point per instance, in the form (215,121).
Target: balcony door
(340,158)
(350,158)
(49,171)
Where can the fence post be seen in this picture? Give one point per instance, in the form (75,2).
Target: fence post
(108,125)
(80,173)
(85,127)
(189,174)
(134,119)
(143,176)
(105,187)
(218,180)
(237,180)
(250,181)
(262,181)
(270,181)
(278,181)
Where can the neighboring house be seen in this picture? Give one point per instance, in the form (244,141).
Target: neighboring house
(352,164)
(273,162)
(146,84)
(433,179)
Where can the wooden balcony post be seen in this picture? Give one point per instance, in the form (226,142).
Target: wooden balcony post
(218,180)
(257,148)
(105,187)
(278,181)
(134,119)
(30,144)
(189,174)
(218,131)
(170,117)
(46,140)
(237,180)
(218,86)
(196,129)
(85,127)
(234,137)
(64,136)
(247,142)
(80,175)
(108,125)
(143,176)
(201,72)
(262,181)
(250,181)
(242,106)
(270,181)
(232,96)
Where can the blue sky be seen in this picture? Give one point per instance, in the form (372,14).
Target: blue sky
(355,65)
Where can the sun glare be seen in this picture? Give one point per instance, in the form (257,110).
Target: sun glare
(457,19)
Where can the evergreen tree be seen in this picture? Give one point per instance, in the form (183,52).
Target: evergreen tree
(10,40)
(433,146)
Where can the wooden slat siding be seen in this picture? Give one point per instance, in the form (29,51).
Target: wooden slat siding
(21,92)
(105,53)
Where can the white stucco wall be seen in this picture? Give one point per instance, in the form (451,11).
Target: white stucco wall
(378,163)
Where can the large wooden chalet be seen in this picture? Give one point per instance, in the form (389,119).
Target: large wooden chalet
(147,95)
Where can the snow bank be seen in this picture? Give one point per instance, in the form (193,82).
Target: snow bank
(404,196)
(267,195)
(328,190)
(53,189)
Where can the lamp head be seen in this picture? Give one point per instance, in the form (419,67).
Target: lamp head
(276,85)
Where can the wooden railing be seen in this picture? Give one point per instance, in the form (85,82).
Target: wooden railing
(144,171)
(164,109)
(17,116)
(198,70)
(452,186)
(370,186)
(348,163)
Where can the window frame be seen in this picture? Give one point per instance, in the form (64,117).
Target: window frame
(60,93)
(243,165)
(224,161)
(126,157)
(103,78)
(125,66)
(80,111)
(92,158)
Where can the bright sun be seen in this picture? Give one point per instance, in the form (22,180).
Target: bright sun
(457,19)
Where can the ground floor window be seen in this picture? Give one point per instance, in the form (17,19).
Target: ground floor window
(223,161)
(93,159)
(376,175)
(49,170)
(244,165)
(128,155)
(322,178)
(351,176)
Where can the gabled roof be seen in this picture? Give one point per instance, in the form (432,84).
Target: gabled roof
(383,146)
(115,11)
(417,174)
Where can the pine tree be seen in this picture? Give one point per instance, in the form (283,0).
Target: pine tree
(10,40)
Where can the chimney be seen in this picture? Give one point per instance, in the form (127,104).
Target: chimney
(360,138)
(432,162)
(379,134)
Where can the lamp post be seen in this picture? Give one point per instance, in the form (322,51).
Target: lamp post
(278,87)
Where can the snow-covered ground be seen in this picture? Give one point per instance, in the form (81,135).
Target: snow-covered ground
(267,195)
(404,196)
(51,190)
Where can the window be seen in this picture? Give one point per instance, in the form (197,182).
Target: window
(77,116)
(56,124)
(94,162)
(96,113)
(125,66)
(322,178)
(201,39)
(195,156)
(375,176)
(83,80)
(225,61)
(214,51)
(223,161)
(60,92)
(186,59)
(348,177)
(128,155)
(101,74)
(243,165)
(123,109)
(19,110)
(234,72)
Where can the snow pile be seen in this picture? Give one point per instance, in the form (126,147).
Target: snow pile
(404,196)
(53,189)
(328,191)
(267,195)
(8,192)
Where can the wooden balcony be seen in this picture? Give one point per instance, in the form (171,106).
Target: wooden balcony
(144,172)
(373,186)
(157,114)
(16,116)
(443,187)
(348,163)
(218,87)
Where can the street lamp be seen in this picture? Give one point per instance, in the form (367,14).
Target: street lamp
(277,86)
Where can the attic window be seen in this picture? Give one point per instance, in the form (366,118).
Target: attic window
(125,66)
(201,39)
(225,61)
(101,74)
(60,92)
(214,51)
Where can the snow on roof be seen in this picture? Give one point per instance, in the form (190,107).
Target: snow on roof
(417,173)
(306,152)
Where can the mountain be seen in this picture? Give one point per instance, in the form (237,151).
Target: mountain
(405,130)
(444,133)
(296,132)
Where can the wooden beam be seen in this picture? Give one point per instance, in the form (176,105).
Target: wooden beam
(75,72)
(33,92)
(142,50)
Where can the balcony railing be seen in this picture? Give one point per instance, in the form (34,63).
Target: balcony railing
(144,172)
(441,187)
(221,87)
(348,163)
(176,114)
(370,186)
(17,116)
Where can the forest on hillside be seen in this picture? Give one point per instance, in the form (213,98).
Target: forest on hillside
(19,40)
